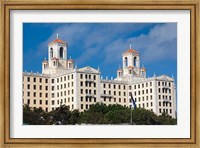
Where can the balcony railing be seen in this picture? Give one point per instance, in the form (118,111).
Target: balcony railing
(106,95)
(89,80)
(89,95)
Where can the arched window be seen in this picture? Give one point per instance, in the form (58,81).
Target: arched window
(61,52)
(126,61)
(51,52)
(134,61)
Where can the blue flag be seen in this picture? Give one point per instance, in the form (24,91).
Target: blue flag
(133,101)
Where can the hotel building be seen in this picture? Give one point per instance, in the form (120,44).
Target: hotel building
(61,82)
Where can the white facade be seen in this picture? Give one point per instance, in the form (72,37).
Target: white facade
(62,83)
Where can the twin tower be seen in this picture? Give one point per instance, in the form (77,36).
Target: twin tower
(58,62)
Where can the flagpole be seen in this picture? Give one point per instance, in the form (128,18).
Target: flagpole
(131,116)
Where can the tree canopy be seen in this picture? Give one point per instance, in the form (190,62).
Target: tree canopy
(98,113)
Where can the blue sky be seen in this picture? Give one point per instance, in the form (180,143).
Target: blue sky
(102,44)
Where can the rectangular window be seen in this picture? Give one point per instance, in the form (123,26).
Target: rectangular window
(46,102)
(150,90)
(40,102)
(150,83)
(52,87)
(40,94)
(34,101)
(94,92)
(34,79)
(40,87)
(34,87)
(81,83)
(151,103)
(40,80)
(28,79)
(94,84)
(81,98)
(28,94)
(81,76)
(94,77)
(34,94)
(46,109)
(57,80)
(52,102)
(46,88)
(72,76)
(28,86)
(124,87)
(28,101)
(86,106)
(52,95)
(119,87)
(46,80)
(119,99)
(81,106)
(46,95)
(124,100)
(158,83)
(114,86)
(160,111)
(52,80)
(104,85)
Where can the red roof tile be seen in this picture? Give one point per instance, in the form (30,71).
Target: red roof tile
(130,67)
(131,51)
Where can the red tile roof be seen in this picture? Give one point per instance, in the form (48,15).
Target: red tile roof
(131,51)
(143,68)
(130,67)
(54,58)
(58,41)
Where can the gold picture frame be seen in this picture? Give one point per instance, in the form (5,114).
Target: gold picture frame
(7,5)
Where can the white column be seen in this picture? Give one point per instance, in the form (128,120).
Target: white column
(138,62)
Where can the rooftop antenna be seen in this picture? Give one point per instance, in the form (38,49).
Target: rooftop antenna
(130,46)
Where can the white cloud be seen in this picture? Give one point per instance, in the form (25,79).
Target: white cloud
(110,40)
(158,44)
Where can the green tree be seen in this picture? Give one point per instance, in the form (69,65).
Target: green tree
(165,119)
(141,116)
